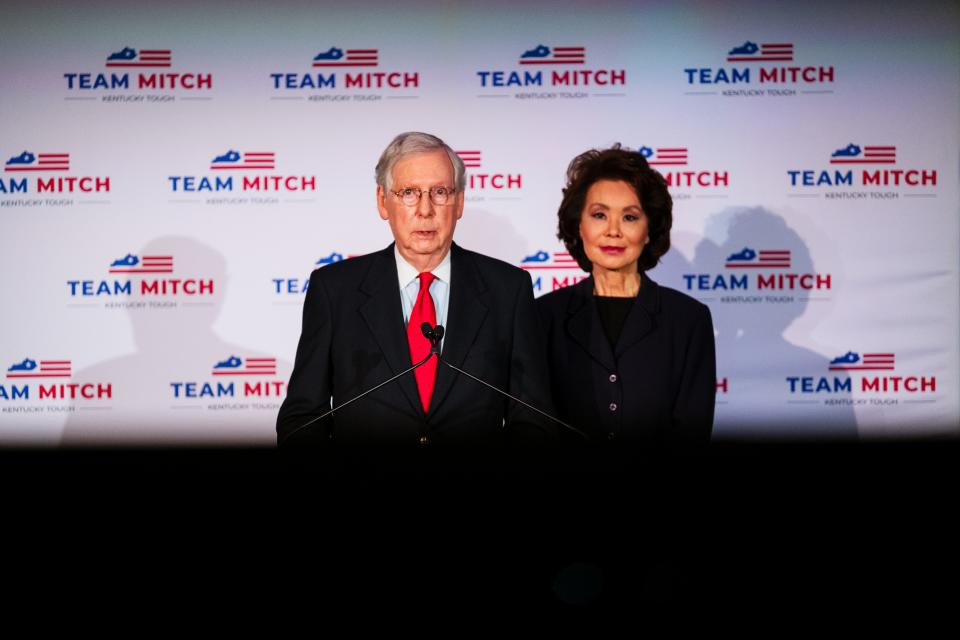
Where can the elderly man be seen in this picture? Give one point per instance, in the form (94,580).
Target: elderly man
(362,324)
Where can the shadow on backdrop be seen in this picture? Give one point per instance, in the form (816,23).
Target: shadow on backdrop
(176,344)
(752,352)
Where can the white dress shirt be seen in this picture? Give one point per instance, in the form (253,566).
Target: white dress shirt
(409,282)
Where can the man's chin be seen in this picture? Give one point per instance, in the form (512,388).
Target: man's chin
(426,246)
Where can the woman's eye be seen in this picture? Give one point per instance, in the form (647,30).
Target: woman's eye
(599,215)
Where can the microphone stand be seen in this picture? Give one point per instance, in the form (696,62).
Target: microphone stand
(435,335)
(354,399)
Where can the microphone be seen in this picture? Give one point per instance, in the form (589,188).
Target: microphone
(435,334)
(433,350)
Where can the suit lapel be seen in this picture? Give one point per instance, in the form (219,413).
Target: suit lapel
(465,315)
(383,314)
(583,325)
(640,320)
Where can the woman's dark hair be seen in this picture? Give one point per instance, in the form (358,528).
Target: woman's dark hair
(630,167)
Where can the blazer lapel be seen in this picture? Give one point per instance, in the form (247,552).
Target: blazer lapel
(383,314)
(640,320)
(583,325)
(465,315)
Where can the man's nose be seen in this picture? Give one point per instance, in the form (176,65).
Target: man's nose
(425,205)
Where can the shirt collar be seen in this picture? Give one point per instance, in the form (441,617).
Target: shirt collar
(407,274)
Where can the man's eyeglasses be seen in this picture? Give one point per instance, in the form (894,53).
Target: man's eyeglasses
(438,195)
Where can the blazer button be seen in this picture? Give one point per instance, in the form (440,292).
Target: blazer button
(611,435)
(613,406)
(424,440)
(613,377)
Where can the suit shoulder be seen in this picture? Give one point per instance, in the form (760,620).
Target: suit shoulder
(555,301)
(494,267)
(344,272)
(674,301)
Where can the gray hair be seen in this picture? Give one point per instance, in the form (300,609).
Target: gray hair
(412,142)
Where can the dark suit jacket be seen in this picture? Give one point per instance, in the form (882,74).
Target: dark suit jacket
(657,385)
(354,337)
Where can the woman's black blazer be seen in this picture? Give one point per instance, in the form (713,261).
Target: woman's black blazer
(658,383)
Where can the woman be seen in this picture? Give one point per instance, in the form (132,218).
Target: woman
(630,360)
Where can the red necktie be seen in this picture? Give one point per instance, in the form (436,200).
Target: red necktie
(423,311)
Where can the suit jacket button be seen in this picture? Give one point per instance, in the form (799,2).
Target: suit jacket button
(613,377)
(611,435)
(424,440)
(613,406)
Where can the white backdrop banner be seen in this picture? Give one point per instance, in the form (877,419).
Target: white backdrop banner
(172,172)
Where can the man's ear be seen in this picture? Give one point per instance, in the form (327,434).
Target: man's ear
(381,203)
